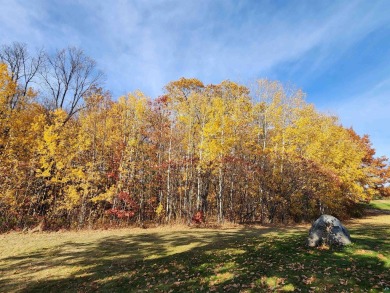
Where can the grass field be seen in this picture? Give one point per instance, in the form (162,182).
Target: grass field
(181,259)
(380,204)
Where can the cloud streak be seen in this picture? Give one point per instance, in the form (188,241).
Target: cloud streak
(145,44)
(368,113)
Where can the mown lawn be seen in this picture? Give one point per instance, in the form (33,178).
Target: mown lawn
(196,260)
(381,204)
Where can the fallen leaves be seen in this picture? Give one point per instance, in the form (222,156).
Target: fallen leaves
(308,280)
(343,282)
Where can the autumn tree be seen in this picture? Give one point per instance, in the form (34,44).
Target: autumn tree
(18,140)
(68,76)
(197,153)
(24,69)
(186,100)
(376,170)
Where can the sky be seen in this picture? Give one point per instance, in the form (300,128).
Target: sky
(337,52)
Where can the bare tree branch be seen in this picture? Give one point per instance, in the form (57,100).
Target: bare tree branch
(68,76)
(23,68)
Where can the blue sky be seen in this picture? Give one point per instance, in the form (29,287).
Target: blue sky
(338,52)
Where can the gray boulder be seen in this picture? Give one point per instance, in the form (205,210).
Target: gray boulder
(328,230)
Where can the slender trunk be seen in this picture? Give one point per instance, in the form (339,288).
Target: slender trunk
(199,187)
(83,210)
(169,203)
(199,172)
(232,218)
(220,193)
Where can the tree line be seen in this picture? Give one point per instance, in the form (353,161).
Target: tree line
(73,157)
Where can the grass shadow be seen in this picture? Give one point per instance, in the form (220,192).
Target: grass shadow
(246,260)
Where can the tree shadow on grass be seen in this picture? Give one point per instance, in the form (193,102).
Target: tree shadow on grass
(104,259)
(242,260)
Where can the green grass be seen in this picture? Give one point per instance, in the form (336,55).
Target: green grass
(196,260)
(380,204)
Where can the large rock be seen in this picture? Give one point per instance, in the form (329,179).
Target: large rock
(328,230)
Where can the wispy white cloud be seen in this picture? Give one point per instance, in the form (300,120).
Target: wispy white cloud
(368,113)
(16,22)
(158,43)
(145,44)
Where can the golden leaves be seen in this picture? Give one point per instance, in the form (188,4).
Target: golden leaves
(267,156)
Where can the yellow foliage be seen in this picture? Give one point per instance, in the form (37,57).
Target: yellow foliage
(159,209)
(199,145)
(72,197)
(107,196)
(7,86)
